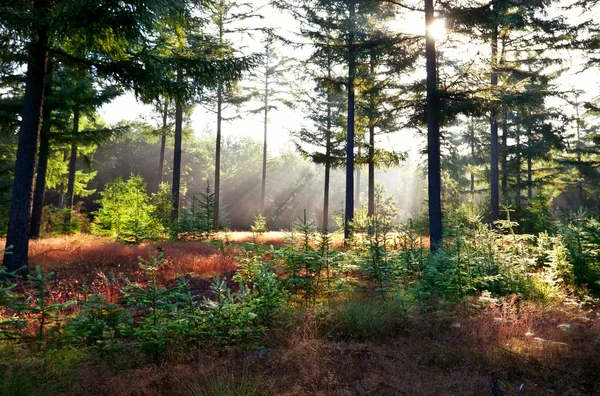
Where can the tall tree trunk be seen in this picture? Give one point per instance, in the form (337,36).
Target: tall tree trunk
(504,152)
(263,186)
(494,171)
(529,178)
(529,168)
(349,210)
(218,157)
(357,203)
(371,153)
(163,143)
(433,136)
(177,151)
(61,186)
(518,161)
(19,223)
(371,203)
(219,121)
(42,163)
(72,168)
(473,159)
(327,165)
(579,204)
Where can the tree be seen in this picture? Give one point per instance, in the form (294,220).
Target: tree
(380,98)
(343,25)
(433,134)
(274,92)
(324,108)
(229,18)
(118,46)
(22,191)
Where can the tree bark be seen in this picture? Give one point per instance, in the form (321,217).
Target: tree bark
(349,212)
(433,137)
(504,152)
(219,121)
(72,168)
(473,159)
(177,152)
(518,161)
(19,223)
(163,143)
(42,163)
(371,203)
(494,171)
(371,154)
(218,156)
(357,203)
(263,187)
(327,165)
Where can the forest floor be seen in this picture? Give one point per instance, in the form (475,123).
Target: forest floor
(548,349)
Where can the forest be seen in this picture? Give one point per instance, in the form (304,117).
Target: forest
(294,197)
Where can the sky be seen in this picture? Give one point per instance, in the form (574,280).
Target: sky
(285,120)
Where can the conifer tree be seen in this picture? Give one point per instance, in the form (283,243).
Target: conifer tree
(324,106)
(230,18)
(118,46)
(272,74)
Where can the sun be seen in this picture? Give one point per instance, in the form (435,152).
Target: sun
(437,29)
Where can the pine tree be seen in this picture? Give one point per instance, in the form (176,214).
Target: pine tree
(522,25)
(117,47)
(433,134)
(272,73)
(230,19)
(324,108)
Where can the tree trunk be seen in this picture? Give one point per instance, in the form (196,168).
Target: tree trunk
(19,223)
(371,203)
(177,151)
(72,168)
(263,187)
(357,203)
(371,154)
(349,212)
(494,172)
(61,187)
(518,161)
(504,152)
(433,137)
(42,163)
(529,177)
(163,143)
(327,166)
(219,121)
(473,159)
(218,157)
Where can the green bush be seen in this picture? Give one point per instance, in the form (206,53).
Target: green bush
(196,221)
(126,212)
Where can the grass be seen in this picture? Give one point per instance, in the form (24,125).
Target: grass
(347,346)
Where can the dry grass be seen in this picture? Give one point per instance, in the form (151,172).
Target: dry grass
(82,257)
(434,354)
(549,349)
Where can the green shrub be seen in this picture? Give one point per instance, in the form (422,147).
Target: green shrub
(98,325)
(126,212)
(159,309)
(196,221)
